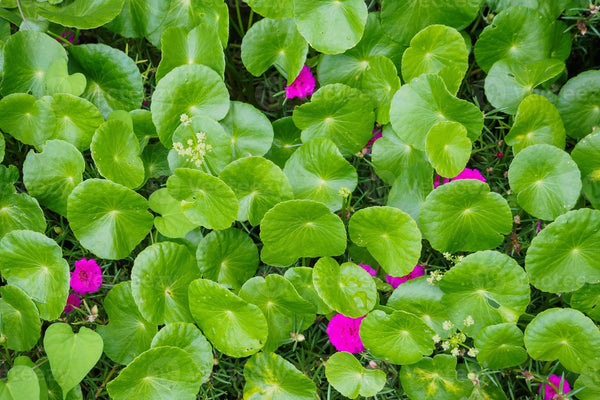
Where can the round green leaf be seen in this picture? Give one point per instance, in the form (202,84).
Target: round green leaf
(286,312)
(588,386)
(399,338)
(302,279)
(587,300)
(390,235)
(229,257)
(340,113)
(205,199)
(115,151)
(351,379)
(509,81)
(57,80)
(172,222)
(433,379)
(270,377)
(232,325)
(250,131)
(537,122)
(274,42)
(258,185)
(464,215)
(21,384)
(524,35)
(187,337)
(500,346)
(346,288)
(76,120)
(317,171)
(81,15)
(286,140)
(26,119)
(403,19)
(562,257)
(546,180)
(587,156)
(437,49)
(19,319)
(159,290)
(448,148)
(579,104)
(34,263)
(152,373)
(189,89)
(71,355)
(28,56)
(272,9)
(424,102)
(20,211)
(51,175)
(114,81)
(127,333)
(108,219)
(564,334)
(411,188)
(180,47)
(300,228)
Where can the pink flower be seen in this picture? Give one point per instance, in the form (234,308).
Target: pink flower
(500,154)
(467,173)
(69,35)
(73,301)
(303,86)
(368,268)
(550,392)
(376,135)
(343,333)
(87,276)
(397,281)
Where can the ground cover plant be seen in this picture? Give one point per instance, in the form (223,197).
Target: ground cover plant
(299,199)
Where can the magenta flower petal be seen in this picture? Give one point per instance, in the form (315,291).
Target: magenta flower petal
(73,301)
(466,173)
(343,333)
(303,85)
(549,391)
(87,277)
(368,268)
(396,281)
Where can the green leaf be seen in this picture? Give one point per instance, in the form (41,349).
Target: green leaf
(189,89)
(180,47)
(509,81)
(284,309)
(108,219)
(351,379)
(587,300)
(437,49)
(567,335)
(81,15)
(53,388)
(403,19)
(448,148)
(187,337)
(272,9)
(588,386)
(205,200)
(270,377)
(76,120)
(489,286)
(537,122)
(562,257)
(21,384)
(143,127)
(318,171)
(229,257)
(26,119)
(249,130)
(156,163)
(398,338)
(51,175)
(579,104)
(156,373)
(127,333)
(34,263)
(232,325)
(139,17)
(258,185)
(424,102)
(19,211)
(58,80)
(172,222)
(28,55)
(274,42)
(390,235)
(159,290)
(500,346)
(71,355)
(115,151)
(524,35)
(587,156)
(552,9)
(41,380)
(546,180)
(433,379)
(114,81)
(464,215)
(286,140)
(19,319)
(410,189)
(300,228)
(302,279)
(339,113)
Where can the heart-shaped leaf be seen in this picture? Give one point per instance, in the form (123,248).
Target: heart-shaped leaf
(448,148)
(22,384)
(351,379)
(500,346)
(26,119)
(19,319)
(58,80)
(579,104)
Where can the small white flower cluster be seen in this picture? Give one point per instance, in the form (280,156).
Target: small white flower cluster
(344,192)
(434,276)
(196,149)
(456,339)
(453,259)
(185,119)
